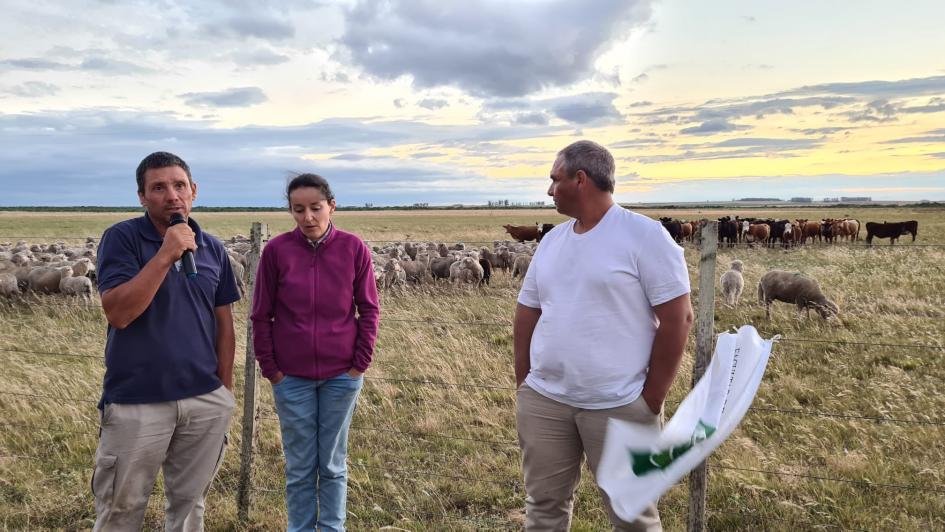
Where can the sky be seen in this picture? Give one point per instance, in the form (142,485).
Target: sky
(424,101)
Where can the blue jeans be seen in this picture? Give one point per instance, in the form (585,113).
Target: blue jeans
(314,416)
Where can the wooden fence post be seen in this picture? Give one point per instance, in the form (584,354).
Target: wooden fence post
(245,487)
(705,337)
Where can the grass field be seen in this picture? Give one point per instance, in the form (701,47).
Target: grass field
(439,457)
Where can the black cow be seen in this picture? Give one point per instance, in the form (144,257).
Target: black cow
(543,230)
(673,227)
(777,232)
(891,230)
(728,231)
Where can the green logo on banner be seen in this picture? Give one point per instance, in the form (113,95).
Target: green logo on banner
(644,463)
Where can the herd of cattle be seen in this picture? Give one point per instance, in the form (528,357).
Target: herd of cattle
(786,233)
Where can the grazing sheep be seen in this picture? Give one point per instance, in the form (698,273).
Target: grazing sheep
(733,284)
(520,266)
(394,275)
(791,287)
(442,250)
(466,271)
(411,250)
(440,267)
(8,285)
(415,270)
(83,267)
(46,280)
(75,286)
(239,272)
(503,259)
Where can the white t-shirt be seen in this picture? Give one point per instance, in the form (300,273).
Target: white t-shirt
(591,346)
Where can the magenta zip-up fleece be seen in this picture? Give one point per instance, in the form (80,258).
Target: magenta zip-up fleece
(304,303)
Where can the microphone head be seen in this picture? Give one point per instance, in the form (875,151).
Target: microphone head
(177,218)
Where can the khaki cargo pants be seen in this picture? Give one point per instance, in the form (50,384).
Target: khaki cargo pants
(187,438)
(554,437)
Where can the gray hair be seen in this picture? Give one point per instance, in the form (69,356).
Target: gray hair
(594,159)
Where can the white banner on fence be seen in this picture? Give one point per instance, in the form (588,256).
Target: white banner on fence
(641,462)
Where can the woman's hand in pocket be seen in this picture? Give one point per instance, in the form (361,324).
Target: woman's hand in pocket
(354,374)
(277,378)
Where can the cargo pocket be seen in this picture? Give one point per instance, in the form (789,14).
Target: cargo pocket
(103,479)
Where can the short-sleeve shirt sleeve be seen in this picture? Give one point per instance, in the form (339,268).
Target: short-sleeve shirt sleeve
(662,268)
(226,289)
(117,258)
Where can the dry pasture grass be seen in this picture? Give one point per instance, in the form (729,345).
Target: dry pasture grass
(444,456)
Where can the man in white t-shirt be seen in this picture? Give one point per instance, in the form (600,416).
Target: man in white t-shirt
(600,328)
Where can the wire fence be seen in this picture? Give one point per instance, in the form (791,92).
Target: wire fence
(475,386)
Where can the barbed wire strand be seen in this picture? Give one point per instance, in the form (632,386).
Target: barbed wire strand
(865,483)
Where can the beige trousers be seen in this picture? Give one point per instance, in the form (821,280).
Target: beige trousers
(187,438)
(553,437)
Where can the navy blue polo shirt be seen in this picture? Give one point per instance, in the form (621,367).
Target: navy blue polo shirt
(168,352)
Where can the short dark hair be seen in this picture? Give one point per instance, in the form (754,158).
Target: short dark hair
(309,180)
(159,159)
(594,159)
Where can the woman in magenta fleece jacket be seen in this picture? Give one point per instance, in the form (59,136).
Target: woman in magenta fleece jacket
(315,315)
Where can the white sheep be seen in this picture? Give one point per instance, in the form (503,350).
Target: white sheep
(8,285)
(394,274)
(520,265)
(75,286)
(733,283)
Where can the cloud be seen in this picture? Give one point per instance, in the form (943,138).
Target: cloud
(877,88)
(259,25)
(640,78)
(641,104)
(236,97)
(875,111)
(33,89)
(400,103)
(710,127)
(531,119)
(336,77)
(935,105)
(433,104)
(767,143)
(931,137)
(737,148)
(94,63)
(106,65)
(97,149)
(35,63)
(822,130)
(716,112)
(258,57)
(634,143)
(487,47)
(588,108)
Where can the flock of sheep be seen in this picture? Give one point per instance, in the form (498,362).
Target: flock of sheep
(398,265)
(47,269)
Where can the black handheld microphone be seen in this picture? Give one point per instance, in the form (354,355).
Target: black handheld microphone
(190,266)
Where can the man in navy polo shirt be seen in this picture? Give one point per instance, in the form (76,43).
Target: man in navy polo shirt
(166,401)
